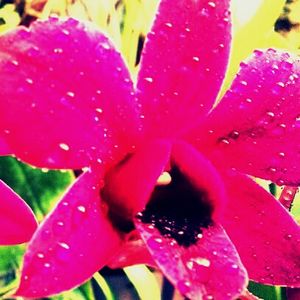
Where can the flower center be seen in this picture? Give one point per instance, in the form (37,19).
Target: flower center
(178,209)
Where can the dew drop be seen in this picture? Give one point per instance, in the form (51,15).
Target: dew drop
(288,236)
(40,255)
(65,31)
(281,84)
(198,261)
(14,62)
(29,80)
(149,79)
(169,25)
(64,245)
(47,265)
(58,50)
(155,243)
(184,286)
(196,58)
(81,208)
(64,146)
(212,4)
(71,94)
(225,141)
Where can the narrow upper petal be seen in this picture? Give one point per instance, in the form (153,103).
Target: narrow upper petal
(202,174)
(74,241)
(210,269)
(182,64)
(257,124)
(129,185)
(264,233)
(17,222)
(66,95)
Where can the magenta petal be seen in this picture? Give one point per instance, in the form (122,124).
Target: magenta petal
(66,96)
(260,129)
(74,241)
(132,252)
(183,65)
(202,174)
(264,233)
(4,148)
(211,269)
(17,221)
(129,185)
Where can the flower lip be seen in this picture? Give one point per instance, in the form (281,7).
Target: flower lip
(179,210)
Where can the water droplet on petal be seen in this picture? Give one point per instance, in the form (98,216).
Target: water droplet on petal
(212,4)
(149,79)
(58,50)
(81,208)
(64,146)
(64,245)
(71,94)
(29,80)
(40,255)
(155,243)
(288,236)
(184,286)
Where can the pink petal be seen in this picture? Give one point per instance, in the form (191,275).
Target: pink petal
(130,184)
(17,221)
(201,174)
(265,235)
(66,95)
(211,269)
(74,241)
(183,65)
(132,252)
(256,126)
(4,148)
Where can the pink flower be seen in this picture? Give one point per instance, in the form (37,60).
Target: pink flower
(17,221)
(76,106)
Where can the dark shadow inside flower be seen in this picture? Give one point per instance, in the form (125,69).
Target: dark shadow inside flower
(178,210)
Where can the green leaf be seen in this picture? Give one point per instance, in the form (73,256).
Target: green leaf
(39,188)
(267,292)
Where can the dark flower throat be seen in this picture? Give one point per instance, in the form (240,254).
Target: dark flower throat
(178,210)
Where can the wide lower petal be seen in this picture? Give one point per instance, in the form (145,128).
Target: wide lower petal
(74,241)
(66,96)
(182,65)
(210,269)
(17,222)
(256,126)
(264,233)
